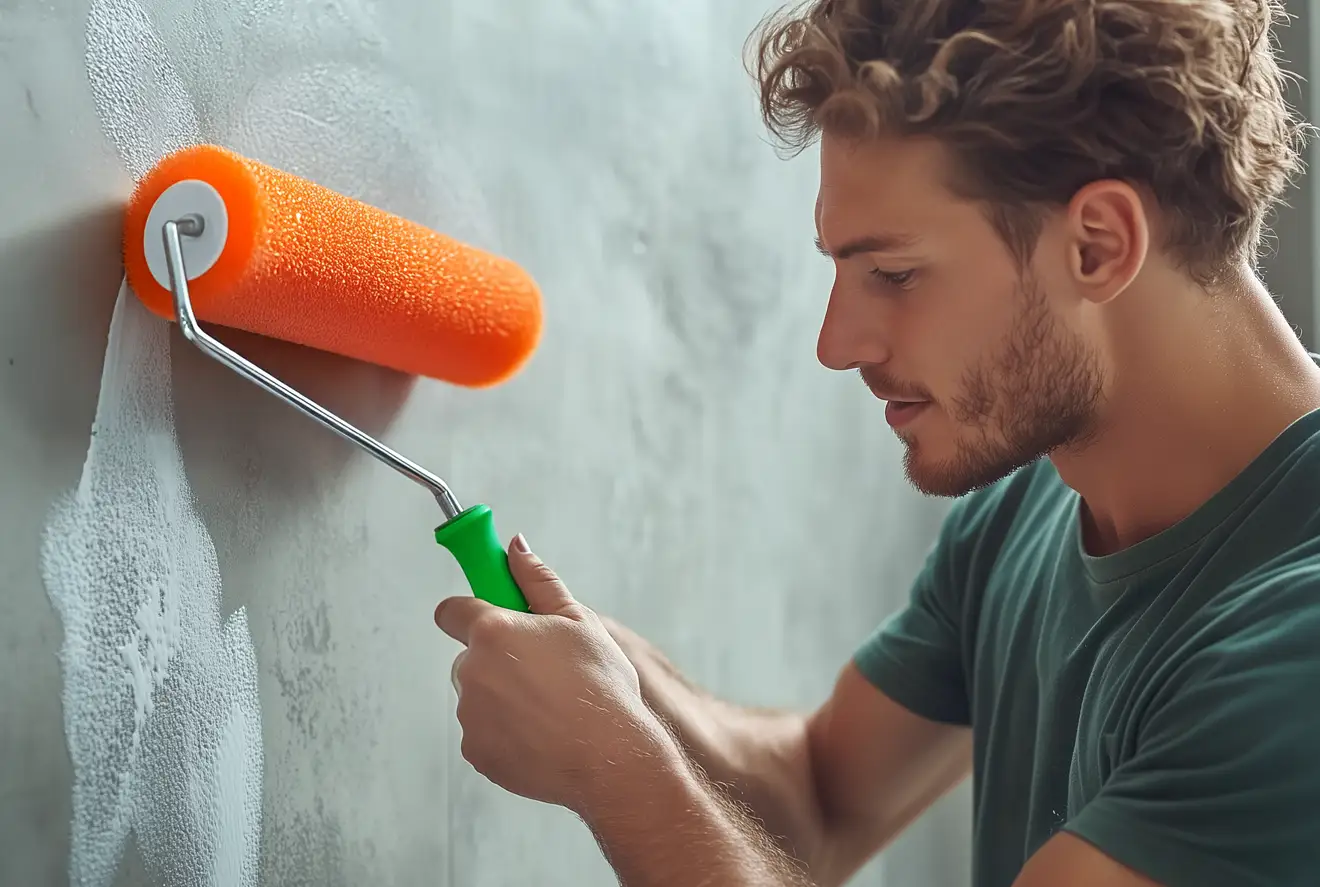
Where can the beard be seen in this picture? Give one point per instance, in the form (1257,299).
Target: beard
(1037,393)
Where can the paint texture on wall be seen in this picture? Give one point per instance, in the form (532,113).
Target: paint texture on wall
(144,109)
(160,697)
(127,560)
(161,709)
(673,449)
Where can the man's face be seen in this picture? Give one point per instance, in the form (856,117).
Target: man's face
(983,363)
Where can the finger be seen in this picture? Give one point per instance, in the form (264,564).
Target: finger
(453,671)
(454,616)
(544,591)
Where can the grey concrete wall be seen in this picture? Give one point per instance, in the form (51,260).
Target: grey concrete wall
(1290,266)
(673,450)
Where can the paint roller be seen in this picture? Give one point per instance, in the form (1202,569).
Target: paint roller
(216,236)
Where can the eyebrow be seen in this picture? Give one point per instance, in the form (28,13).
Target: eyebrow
(874,243)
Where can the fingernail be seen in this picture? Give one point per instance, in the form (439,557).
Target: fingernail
(520,544)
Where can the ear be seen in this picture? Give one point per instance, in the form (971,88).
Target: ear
(1109,237)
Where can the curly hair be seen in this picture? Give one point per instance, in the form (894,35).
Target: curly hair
(1036,98)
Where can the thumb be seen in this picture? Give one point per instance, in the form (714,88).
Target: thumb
(545,592)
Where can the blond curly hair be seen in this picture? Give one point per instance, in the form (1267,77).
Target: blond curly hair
(1035,98)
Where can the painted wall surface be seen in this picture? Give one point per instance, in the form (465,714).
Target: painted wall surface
(217,659)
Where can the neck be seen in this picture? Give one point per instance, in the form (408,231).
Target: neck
(1202,384)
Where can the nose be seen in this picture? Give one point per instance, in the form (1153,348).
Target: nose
(850,336)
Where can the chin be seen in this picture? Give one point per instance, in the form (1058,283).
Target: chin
(935,481)
(955,475)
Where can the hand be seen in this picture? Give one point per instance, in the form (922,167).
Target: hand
(700,722)
(633,645)
(547,700)
(654,670)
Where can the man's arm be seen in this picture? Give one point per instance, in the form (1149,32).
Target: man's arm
(659,822)
(1067,859)
(552,709)
(834,787)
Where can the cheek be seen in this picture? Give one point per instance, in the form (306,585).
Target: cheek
(965,322)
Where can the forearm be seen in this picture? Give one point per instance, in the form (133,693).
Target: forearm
(661,822)
(760,758)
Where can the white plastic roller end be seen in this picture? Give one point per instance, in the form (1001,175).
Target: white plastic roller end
(200,253)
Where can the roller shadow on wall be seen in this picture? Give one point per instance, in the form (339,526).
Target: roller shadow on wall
(62,279)
(67,274)
(235,433)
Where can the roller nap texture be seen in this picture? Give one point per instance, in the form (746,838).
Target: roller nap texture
(302,263)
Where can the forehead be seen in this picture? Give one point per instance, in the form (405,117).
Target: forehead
(898,184)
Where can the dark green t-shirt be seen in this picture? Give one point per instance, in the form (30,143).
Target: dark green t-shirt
(1162,703)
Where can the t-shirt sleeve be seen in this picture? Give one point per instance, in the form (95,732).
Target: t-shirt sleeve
(916,656)
(1223,784)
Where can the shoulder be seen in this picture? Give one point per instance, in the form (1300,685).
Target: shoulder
(1237,696)
(1268,618)
(1250,645)
(1221,776)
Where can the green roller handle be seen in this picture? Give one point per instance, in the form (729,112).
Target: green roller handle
(470,538)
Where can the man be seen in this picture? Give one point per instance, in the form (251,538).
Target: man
(1044,218)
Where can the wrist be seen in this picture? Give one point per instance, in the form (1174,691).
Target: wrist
(695,719)
(643,759)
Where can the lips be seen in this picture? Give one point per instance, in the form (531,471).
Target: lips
(906,400)
(899,412)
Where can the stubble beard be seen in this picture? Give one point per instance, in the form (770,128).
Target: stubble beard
(1038,393)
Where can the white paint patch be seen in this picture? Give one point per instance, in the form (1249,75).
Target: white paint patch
(143,105)
(352,129)
(161,708)
(311,88)
(160,698)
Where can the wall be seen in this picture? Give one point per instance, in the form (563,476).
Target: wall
(673,450)
(1290,264)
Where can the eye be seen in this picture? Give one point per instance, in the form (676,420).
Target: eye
(900,279)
